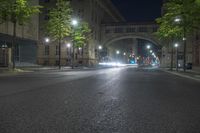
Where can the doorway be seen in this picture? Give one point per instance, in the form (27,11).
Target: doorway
(3,57)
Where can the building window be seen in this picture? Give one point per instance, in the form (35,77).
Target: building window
(46,14)
(57,50)
(46,1)
(142,29)
(155,29)
(107,31)
(130,30)
(197,37)
(46,50)
(118,30)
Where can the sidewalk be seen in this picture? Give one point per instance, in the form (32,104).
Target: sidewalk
(191,74)
(23,70)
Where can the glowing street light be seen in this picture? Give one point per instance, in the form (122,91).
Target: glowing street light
(117,52)
(100,47)
(151,51)
(177,19)
(124,53)
(68,45)
(74,22)
(47,40)
(176,45)
(148,46)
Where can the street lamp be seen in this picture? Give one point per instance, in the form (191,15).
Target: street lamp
(117,52)
(151,51)
(148,46)
(100,47)
(74,23)
(47,40)
(178,20)
(176,46)
(68,45)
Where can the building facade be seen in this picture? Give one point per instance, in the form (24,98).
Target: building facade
(94,12)
(26,42)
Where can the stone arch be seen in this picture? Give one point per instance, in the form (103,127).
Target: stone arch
(112,39)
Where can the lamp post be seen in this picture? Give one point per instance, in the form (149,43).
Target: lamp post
(69,48)
(176,46)
(74,24)
(47,40)
(178,20)
(148,46)
(99,54)
(117,54)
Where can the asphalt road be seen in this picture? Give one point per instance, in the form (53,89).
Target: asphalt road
(116,100)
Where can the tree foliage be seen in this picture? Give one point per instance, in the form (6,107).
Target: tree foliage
(17,11)
(59,24)
(81,34)
(187,11)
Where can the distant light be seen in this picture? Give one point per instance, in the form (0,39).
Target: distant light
(79,48)
(124,53)
(176,45)
(151,51)
(117,52)
(177,20)
(100,47)
(148,46)
(74,22)
(68,45)
(47,40)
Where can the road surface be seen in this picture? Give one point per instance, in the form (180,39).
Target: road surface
(114,100)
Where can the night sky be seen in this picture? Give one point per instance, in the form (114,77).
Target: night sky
(139,10)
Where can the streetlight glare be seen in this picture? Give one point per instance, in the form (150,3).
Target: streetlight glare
(117,52)
(151,51)
(100,47)
(47,40)
(176,45)
(124,53)
(68,45)
(148,46)
(74,22)
(177,20)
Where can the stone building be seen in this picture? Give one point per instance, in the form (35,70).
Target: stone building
(196,51)
(94,12)
(26,42)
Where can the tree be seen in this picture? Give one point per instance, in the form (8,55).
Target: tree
(17,12)
(80,36)
(168,33)
(59,24)
(181,18)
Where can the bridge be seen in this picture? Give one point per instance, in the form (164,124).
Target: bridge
(112,33)
(118,31)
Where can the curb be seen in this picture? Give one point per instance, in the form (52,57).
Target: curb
(182,75)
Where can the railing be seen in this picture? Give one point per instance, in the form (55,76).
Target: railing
(130,28)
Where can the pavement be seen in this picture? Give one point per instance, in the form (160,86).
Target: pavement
(24,70)
(113,100)
(190,74)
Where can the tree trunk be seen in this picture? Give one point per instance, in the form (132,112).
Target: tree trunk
(184,50)
(172,57)
(59,53)
(13,44)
